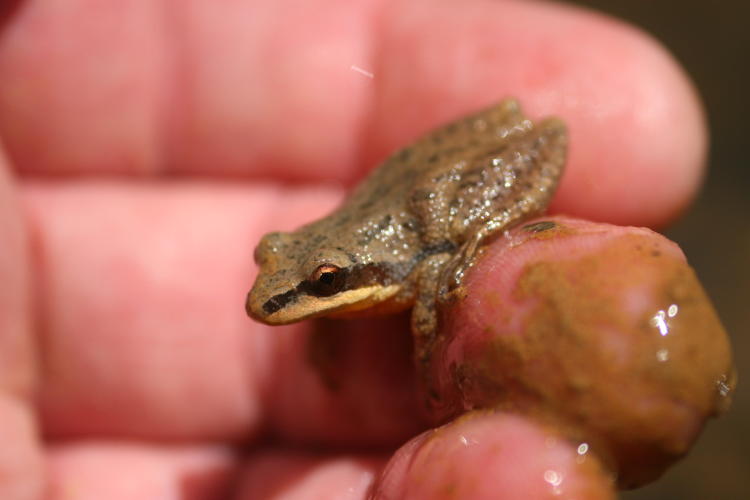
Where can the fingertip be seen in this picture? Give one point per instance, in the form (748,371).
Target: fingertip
(638,133)
(602,330)
(492,456)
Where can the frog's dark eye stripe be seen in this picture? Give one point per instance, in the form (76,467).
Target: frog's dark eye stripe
(326,280)
(279,301)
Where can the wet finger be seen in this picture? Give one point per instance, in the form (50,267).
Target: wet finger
(492,456)
(335,98)
(602,331)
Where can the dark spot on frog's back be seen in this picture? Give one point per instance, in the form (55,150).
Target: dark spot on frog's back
(365,205)
(497,153)
(404,155)
(352,258)
(319,239)
(377,194)
(422,195)
(373,232)
(343,220)
(410,225)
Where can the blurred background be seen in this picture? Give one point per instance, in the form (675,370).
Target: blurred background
(712,41)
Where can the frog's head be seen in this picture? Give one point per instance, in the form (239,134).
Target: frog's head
(305,277)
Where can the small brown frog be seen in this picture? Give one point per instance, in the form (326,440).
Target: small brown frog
(408,232)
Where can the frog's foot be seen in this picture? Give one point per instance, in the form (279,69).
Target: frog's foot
(453,271)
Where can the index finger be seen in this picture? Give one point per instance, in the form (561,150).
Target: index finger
(325,92)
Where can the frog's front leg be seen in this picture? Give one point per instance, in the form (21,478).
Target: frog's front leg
(424,316)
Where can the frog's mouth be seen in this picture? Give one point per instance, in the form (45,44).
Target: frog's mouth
(296,304)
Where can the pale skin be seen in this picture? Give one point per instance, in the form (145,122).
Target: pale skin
(122,321)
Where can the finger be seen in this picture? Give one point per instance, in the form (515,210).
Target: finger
(636,127)
(20,460)
(602,331)
(21,465)
(16,342)
(142,291)
(492,456)
(128,471)
(200,74)
(637,132)
(292,475)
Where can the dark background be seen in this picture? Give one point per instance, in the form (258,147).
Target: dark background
(712,41)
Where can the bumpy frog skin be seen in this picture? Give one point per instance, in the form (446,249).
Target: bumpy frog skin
(408,232)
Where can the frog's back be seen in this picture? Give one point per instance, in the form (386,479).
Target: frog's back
(495,165)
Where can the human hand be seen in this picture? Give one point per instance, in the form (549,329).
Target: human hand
(131,370)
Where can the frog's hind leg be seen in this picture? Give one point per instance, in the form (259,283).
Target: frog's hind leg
(532,167)
(453,272)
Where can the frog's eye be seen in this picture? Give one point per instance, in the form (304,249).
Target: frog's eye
(326,280)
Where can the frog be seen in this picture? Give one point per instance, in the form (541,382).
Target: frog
(407,234)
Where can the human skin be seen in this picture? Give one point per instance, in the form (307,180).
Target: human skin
(145,150)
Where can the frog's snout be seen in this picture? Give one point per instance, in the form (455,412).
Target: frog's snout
(267,301)
(254,305)
(249,304)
